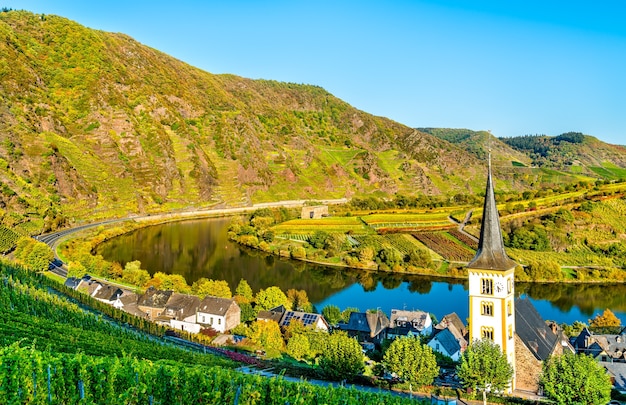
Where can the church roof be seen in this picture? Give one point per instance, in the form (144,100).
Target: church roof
(533,330)
(490,254)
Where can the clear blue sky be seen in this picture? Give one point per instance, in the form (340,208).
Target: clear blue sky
(512,67)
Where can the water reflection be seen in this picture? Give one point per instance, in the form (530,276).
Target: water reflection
(201,248)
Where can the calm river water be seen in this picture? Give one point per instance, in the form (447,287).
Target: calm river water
(201,248)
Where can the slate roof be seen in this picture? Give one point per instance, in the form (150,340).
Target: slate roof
(154,298)
(448,340)
(108,293)
(490,254)
(72,282)
(215,305)
(533,331)
(371,323)
(181,306)
(274,314)
(617,371)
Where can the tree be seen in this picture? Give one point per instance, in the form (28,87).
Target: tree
(214,288)
(272,297)
(342,357)
(575,379)
(244,290)
(345,314)
(39,257)
(484,367)
(606,322)
(299,300)
(134,274)
(298,346)
(75,269)
(332,314)
(175,282)
(318,239)
(267,335)
(411,360)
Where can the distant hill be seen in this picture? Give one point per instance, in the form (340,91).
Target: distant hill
(97,125)
(573,151)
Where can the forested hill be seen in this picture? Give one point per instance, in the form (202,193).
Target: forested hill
(574,151)
(96,125)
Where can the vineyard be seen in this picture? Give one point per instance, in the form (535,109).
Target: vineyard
(445,245)
(408,222)
(30,376)
(8,239)
(330,225)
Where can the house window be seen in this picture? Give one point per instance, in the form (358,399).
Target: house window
(509,308)
(486,332)
(486,286)
(509,285)
(437,346)
(211,321)
(510,331)
(486,308)
(203,319)
(219,321)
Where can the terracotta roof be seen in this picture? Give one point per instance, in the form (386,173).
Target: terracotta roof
(410,320)
(455,320)
(490,254)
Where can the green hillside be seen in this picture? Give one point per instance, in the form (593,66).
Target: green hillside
(96,125)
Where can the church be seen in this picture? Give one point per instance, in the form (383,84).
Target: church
(496,314)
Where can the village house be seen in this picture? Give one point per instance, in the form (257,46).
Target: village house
(602,347)
(180,313)
(274,314)
(316,321)
(108,294)
(367,327)
(220,314)
(153,301)
(406,323)
(450,337)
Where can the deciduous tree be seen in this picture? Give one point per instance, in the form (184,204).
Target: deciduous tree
(575,379)
(342,357)
(484,367)
(214,288)
(411,360)
(272,297)
(332,314)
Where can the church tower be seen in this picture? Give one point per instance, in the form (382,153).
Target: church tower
(491,283)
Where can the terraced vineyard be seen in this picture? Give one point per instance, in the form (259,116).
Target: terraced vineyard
(331,225)
(462,237)
(445,245)
(408,221)
(8,239)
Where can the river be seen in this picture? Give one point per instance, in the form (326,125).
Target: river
(200,248)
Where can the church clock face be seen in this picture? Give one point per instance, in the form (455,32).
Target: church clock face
(499,287)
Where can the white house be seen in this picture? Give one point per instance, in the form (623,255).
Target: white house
(221,314)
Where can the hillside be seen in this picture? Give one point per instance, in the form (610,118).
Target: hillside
(96,125)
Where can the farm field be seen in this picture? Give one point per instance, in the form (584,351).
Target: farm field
(446,245)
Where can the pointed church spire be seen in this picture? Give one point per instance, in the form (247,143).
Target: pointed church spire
(490,254)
